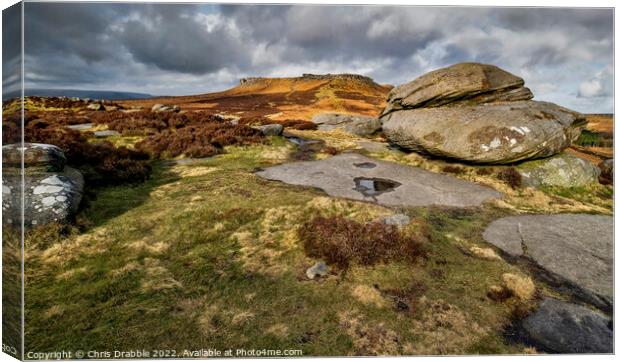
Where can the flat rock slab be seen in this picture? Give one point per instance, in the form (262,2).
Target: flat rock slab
(576,247)
(81,127)
(358,177)
(568,328)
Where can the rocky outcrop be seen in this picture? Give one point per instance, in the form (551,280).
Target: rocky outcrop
(562,327)
(563,170)
(460,84)
(574,251)
(354,124)
(477,113)
(52,191)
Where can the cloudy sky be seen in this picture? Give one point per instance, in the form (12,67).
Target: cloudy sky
(564,55)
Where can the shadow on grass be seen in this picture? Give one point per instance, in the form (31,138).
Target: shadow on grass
(104,203)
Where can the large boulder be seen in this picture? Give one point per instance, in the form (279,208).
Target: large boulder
(37,157)
(354,124)
(575,251)
(562,327)
(497,133)
(459,84)
(562,170)
(52,191)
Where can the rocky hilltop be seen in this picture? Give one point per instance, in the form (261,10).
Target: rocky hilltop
(309,76)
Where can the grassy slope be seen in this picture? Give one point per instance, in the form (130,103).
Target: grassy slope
(207,256)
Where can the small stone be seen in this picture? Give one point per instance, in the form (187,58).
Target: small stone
(521,287)
(270,129)
(317,270)
(398,220)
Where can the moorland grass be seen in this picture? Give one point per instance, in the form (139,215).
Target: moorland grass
(207,256)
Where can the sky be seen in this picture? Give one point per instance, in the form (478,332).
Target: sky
(564,55)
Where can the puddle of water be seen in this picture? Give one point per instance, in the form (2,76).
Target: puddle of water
(374,186)
(365,165)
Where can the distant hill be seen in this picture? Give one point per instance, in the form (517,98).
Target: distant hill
(93,94)
(287,98)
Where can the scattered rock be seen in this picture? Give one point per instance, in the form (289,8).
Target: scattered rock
(607,171)
(37,157)
(81,127)
(319,269)
(484,253)
(496,133)
(573,250)
(106,133)
(96,107)
(270,129)
(568,328)
(354,124)
(387,183)
(52,191)
(564,170)
(519,286)
(165,108)
(462,84)
(398,220)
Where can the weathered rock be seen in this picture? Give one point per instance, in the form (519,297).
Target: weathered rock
(270,129)
(398,220)
(568,328)
(354,124)
(573,249)
(358,177)
(52,191)
(37,156)
(459,84)
(165,108)
(607,171)
(96,107)
(564,170)
(48,196)
(495,133)
(317,270)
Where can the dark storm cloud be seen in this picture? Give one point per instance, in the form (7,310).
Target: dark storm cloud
(565,55)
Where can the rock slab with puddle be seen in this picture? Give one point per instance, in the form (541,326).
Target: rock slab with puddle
(573,248)
(358,177)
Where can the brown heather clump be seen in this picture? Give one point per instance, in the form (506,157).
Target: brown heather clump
(101,163)
(202,140)
(453,169)
(298,124)
(342,242)
(511,177)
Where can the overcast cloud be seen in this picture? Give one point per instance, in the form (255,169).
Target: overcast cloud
(564,55)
